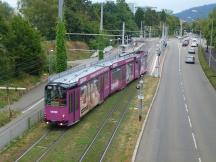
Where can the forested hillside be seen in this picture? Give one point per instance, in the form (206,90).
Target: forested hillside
(195,13)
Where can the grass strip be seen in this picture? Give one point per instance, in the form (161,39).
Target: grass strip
(6,118)
(25,81)
(13,150)
(124,143)
(80,135)
(209,72)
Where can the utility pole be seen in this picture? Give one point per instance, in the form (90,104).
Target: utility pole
(181,22)
(50,66)
(200,35)
(141,29)
(60,9)
(144,32)
(157,67)
(101,18)
(140,96)
(123,32)
(150,30)
(210,54)
(162,31)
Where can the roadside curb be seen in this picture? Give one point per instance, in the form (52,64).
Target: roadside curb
(147,115)
(203,70)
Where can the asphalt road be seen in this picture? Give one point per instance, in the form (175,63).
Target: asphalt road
(182,123)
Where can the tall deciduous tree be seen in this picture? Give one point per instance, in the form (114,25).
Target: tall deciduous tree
(23,45)
(163,16)
(42,14)
(61,57)
(139,16)
(6,62)
(5,10)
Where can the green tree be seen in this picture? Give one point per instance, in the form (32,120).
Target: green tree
(163,16)
(116,14)
(61,57)
(5,10)
(206,28)
(139,16)
(151,17)
(80,17)
(6,62)
(173,23)
(42,14)
(212,19)
(23,45)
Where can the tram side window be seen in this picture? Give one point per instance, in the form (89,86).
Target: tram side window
(142,65)
(76,101)
(84,99)
(55,95)
(95,92)
(71,102)
(106,80)
(129,72)
(116,78)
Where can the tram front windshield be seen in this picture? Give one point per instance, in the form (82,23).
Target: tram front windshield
(55,95)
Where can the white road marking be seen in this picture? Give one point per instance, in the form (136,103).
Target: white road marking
(31,107)
(186,109)
(199,159)
(194,140)
(186,106)
(189,122)
(184,97)
(182,90)
(179,57)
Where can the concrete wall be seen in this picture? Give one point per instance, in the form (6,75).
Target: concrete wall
(18,126)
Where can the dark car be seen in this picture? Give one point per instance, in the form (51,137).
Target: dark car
(185,43)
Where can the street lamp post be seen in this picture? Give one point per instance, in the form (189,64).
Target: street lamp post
(210,54)
(49,52)
(101,18)
(140,96)
(110,42)
(118,39)
(60,9)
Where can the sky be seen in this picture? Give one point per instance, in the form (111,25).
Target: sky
(174,5)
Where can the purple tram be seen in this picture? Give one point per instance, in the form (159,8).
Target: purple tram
(71,94)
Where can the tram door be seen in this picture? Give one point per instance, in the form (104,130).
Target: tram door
(74,110)
(123,80)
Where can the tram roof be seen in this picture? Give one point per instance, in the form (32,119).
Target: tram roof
(71,77)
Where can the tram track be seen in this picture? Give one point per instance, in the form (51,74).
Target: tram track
(116,116)
(43,145)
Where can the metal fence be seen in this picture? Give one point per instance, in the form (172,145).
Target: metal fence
(212,60)
(16,128)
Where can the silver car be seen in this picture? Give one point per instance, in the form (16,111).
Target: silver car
(191,51)
(190,59)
